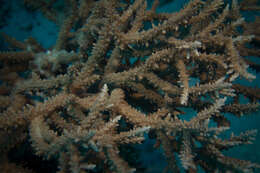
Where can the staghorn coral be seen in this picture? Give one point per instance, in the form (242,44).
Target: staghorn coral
(119,70)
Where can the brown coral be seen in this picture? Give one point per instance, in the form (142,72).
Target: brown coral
(118,71)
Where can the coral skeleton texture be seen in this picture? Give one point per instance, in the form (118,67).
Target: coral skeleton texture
(119,75)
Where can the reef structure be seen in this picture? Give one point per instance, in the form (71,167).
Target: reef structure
(120,70)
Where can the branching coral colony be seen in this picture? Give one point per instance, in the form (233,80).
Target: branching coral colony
(118,71)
